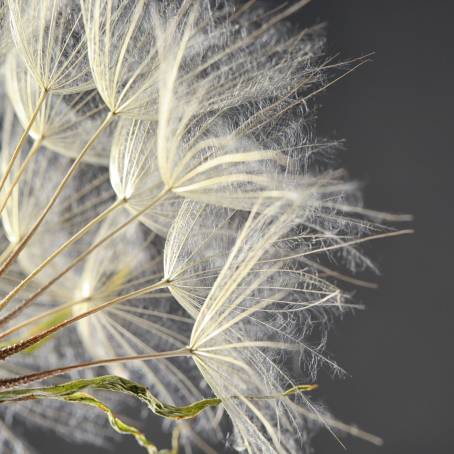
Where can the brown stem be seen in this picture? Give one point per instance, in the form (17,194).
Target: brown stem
(43,315)
(29,378)
(18,347)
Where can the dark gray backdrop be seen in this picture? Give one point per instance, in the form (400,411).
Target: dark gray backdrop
(396,114)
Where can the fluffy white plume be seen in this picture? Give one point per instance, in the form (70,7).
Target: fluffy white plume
(65,122)
(50,37)
(213,149)
(253,284)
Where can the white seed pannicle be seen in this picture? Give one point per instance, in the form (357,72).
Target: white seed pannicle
(168,216)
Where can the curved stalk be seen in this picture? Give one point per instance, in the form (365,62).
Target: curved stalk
(23,138)
(19,247)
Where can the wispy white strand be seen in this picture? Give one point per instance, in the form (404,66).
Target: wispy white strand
(247,230)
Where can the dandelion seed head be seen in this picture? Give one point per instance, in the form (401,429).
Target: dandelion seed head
(220,236)
(50,37)
(121,47)
(255,307)
(65,122)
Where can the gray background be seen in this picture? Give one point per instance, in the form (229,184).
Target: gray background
(396,114)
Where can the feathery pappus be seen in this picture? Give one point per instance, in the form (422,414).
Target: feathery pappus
(170,219)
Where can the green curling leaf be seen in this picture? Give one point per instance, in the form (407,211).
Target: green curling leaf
(74,391)
(116,423)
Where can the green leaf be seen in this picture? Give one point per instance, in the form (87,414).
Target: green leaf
(116,423)
(110,383)
(74,391)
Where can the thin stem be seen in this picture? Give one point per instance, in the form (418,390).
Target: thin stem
(18,347)
(43,315)
(26,379)
(109,210)
(77,260)
(23,138)
(57,193)
(23,167)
